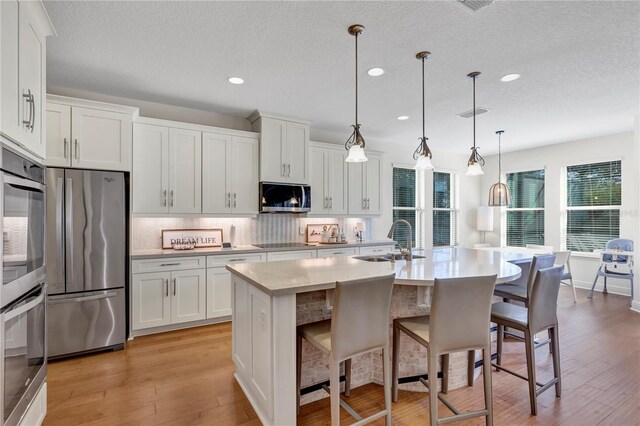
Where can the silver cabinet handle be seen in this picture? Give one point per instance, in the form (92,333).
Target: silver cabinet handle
(235,200)
(227,202)
(326,202)
(338,252)
(284,170)
(65,148)
(164,198)
(29,100)
(166,287)
(238,260)
(288,170)
(174,286)
(33,115)
(368,203)
(77,149)
(330,202)
(171,198)
(364,203)
(170,264)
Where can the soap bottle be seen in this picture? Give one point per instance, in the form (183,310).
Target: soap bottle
(343,236)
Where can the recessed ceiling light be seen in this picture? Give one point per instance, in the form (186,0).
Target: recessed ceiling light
(403,117)
(510,77)
(235,80)
(375,72)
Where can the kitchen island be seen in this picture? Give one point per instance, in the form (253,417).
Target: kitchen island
(270,299)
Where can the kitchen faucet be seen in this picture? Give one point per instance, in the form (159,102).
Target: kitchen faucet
(407,255)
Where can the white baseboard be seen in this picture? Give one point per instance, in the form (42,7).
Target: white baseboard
(635,306)
(612,288)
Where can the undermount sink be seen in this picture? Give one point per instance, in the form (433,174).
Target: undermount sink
(384,257)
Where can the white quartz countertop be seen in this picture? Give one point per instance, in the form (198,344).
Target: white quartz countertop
(207,251)
(299,276)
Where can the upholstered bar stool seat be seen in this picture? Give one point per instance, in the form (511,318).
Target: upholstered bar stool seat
(318,334)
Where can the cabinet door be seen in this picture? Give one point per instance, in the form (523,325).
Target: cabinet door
(150,180)
(58,135)
(272,145)
(218,292)
(188,301)
(244,172)
(151,301)
(318,178)
(374,185)
(291,255)
(297,153)
(11,119)
(32,76)
(337,181)
(356,174)
(101,139)
(185,171)
(216,173)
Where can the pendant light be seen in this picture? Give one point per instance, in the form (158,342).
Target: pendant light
(355,143)
(476,161)
(422,154)
(499,194)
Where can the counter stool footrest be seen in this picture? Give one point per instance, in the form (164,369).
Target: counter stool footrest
(538,343)
(520,376)
(417,378)
(546,385)
(354,414)
(463,416)
(318,386)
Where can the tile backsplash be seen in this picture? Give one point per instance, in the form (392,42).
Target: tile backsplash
(265,228)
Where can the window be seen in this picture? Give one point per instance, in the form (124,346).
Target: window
(525,216)
(408,186)
(444,209)
(594,197)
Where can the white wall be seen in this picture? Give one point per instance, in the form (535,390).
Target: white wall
(636,160)
(553,158)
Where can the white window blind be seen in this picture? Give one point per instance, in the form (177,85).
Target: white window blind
(408,204)
(525,216)
(445,213)
(593,201)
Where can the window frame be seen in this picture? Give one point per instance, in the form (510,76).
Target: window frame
(454,209)
(507,209)
(419,204)
(565,208)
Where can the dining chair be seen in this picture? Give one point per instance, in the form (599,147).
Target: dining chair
(459,321)
(614,265)
(539,315)
(562,259)
(359,324)
(519,290)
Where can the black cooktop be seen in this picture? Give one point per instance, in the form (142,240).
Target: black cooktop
(281,245)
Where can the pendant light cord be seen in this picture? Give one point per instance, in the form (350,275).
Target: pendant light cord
(474,114)
(499,157)
(423,109)
(356,80)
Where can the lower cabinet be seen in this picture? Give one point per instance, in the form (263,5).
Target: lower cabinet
(164,298)
(291,255)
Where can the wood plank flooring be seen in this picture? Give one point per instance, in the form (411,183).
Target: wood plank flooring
(186,378)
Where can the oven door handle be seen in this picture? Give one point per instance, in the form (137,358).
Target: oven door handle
(83,298)
(17,182)
(24,308)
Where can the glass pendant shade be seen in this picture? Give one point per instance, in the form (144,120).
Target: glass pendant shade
(474,170)
(424,163)
(499,195)
(356,155)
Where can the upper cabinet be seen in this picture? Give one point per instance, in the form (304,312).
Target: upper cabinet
(284,148)
(328,179)
(25,26)
(88,135)
(365,186)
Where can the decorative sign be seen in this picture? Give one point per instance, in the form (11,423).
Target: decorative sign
(314,232)
(197,237)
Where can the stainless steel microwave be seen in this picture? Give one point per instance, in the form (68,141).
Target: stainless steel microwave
(284,198)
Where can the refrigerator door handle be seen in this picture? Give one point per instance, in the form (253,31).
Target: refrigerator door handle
(106,295)
(68,197)
(59,227)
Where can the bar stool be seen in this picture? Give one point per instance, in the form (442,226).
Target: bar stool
(519,290)
(540,315)
(359,324)
(459,321)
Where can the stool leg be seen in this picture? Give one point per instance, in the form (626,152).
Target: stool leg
(347,377)
(334,388)
(471,367)
(386,384)
(531,371)
(298,371)
(432,367)
(486,377)
(555,344)
(499,344)
(445,373)
(396,363)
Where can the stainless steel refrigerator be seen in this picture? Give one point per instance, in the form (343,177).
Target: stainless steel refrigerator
(86,260)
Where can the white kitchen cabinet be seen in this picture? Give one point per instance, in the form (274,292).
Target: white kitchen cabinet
(188,297)
(25,26)
(291,255)
(284,148)
(365,186)
(167,170)
(376,250)
(151,302)
(229,174)
(328,173)
(185,171)
(336,252)
(219,282)
(88,135)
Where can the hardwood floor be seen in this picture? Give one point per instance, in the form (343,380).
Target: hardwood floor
(186,378)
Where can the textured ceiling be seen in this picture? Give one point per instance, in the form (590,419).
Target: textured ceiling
(579,61)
